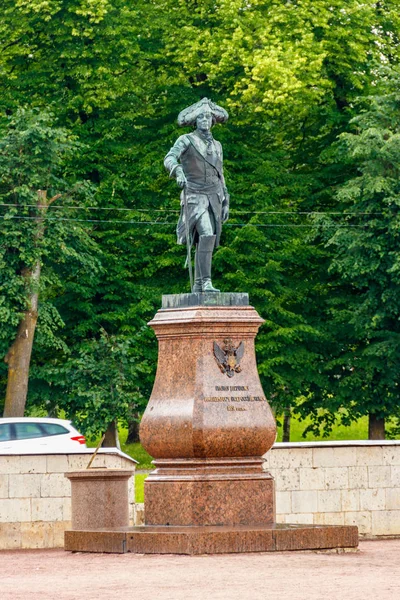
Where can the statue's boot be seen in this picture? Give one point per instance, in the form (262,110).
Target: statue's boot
(197,288)
(202,272)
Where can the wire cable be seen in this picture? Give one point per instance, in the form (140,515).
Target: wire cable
(172,210)
(45,218)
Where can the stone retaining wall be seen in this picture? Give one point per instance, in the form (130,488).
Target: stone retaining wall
(338,483)
(335,483)
(350,483)
(35,497)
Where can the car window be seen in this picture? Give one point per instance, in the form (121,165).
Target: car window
(5,432)
(53,429)
(24,431)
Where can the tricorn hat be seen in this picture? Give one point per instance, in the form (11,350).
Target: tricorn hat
(189,115)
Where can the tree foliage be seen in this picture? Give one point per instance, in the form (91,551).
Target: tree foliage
(116,73)
(364,261)
(34,156)
(99,382)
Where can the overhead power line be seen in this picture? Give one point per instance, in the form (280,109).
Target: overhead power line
(171,210)
(127,222)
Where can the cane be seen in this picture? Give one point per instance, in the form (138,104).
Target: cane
(188,242)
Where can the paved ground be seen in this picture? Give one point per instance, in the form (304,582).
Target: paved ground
(371,574)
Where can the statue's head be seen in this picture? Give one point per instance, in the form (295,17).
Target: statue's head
(203,114)
(205,120)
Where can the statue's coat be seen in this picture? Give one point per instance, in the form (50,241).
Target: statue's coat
(205,189)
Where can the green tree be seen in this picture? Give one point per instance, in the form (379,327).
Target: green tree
(33,155)
(99,382)
(364,266)
(118,72)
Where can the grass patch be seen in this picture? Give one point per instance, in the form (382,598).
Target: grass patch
(139,487)
(136,451)
(356,431)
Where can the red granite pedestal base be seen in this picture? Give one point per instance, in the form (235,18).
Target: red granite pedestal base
(198,492)
(212,540)
(207,425)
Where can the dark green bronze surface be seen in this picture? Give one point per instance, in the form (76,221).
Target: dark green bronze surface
(205,299)
(195,161)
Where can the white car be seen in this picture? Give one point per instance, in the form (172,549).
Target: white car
(28,435)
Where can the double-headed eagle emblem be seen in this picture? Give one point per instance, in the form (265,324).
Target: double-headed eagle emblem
(228,357)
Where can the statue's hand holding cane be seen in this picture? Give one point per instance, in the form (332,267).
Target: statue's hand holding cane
(180,177)
(225,206)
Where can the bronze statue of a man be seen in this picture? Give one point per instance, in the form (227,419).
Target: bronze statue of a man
(195,160)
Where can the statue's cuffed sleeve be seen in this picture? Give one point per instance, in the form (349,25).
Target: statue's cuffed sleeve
(171,161)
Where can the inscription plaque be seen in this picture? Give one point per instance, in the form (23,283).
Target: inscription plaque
(232,401)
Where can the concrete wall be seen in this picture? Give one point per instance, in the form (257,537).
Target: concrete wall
(338,483)
(35,497)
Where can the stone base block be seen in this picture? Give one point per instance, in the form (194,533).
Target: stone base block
(224,502)
(102,540)
(99,498)
(212,540)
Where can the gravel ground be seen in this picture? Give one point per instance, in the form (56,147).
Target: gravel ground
(373,573)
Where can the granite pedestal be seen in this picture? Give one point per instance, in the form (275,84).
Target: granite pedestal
(207,425)
(99,498)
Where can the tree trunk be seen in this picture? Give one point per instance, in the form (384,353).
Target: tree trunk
(18,357)
(111,438)
(286,425)
(376,428)
(133,431)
